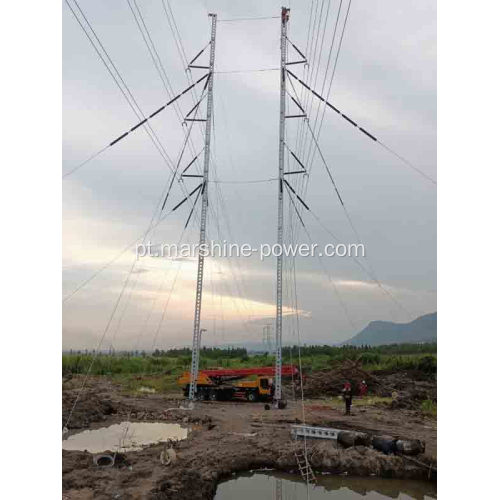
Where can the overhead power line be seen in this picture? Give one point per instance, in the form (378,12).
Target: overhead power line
(246,70)
(235,19)
(330,53)
(364,131)
(117,77)
(135,127)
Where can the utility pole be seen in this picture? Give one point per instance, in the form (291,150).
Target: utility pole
(279,268)
(195,355)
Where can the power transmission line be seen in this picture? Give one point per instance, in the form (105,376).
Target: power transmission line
(235,19)
(117,77)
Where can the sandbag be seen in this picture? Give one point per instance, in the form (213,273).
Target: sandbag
(384,444)
(410,446)
(353,438)
(168,456)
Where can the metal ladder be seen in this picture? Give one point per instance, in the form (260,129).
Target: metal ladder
(308,431)
(305,468)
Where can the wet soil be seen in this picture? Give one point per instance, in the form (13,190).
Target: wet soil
(226,438)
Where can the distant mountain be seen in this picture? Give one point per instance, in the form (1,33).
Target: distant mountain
(422,329)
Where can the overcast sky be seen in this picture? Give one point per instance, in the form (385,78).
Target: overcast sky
(385,80)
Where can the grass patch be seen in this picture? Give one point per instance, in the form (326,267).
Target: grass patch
(429,408)
(394,357)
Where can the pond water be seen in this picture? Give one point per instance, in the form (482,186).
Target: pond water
(125,436)
(263,486)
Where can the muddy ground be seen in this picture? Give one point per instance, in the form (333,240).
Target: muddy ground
(228,437)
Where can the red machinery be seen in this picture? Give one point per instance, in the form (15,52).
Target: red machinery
(286,371)
(223,384)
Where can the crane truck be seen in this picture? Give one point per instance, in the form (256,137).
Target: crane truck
(225,384)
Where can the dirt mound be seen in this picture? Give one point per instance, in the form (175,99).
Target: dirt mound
(326,383)
(91,407)
(409,391)
(409,388)
(266,453)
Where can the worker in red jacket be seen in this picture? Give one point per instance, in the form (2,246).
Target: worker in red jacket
(363,388)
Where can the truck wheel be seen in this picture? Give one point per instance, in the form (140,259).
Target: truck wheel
(213,396)
(252,397)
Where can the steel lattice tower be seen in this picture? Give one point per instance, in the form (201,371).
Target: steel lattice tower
(281,164)
(195,356)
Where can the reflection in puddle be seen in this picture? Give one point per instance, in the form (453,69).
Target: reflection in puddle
(126,436)
(263,485)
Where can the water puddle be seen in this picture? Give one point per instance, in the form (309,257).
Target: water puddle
(125,436)
(263,485)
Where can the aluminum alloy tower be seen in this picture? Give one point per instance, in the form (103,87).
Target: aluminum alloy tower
(195,355)
(279,268)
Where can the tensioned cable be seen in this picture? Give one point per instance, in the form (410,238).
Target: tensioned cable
(226,221)
(296,313)
(117,329)
(311,149)
(303,144)
(135,127)
(160,288)
(152,225)
(344,208)
(306,67)
(148,128)
(224,217)
(87,374)
(159,65)
(235,19)
(116,257)
(331,177)
(356,260)
(139,337)
(305,183)
(337,292)
(256,181)
(312,57)
(95,155)
(220,197)
(370,275)
(320,53)
(150,229)
(361,129)
(178,43)
(247,70)
(310,160)
(301,137)
(130,97)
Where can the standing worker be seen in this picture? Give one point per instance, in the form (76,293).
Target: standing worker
(363,388)
(347,395)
